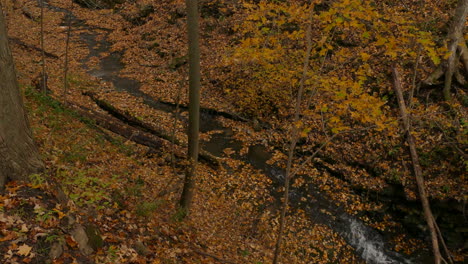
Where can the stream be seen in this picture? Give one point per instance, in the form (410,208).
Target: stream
(371,245)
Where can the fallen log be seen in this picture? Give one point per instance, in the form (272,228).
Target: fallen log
(126,117)
(31,47)
(118,127)
(418,173)
(232,116)
(212,111)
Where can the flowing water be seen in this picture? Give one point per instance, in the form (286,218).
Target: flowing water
(369,243)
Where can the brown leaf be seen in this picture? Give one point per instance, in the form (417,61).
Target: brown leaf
(24,250)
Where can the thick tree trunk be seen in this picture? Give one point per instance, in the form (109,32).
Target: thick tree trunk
(417,168)
(18,155)
(194,105)
(455,37)
(464,55)
(455,33)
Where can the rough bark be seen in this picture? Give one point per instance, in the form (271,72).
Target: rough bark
(18,154)
(194,105)
(67,46)
(464,55)
(44,74)
(455,36)
(417,167)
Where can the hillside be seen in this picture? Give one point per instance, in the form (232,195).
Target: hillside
(114,143)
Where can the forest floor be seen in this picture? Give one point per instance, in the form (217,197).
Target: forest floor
(125,195)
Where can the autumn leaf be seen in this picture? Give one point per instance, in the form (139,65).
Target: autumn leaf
(24,250)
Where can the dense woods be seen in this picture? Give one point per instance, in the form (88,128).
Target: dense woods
(233,131)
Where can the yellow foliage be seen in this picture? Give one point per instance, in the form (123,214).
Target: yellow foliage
(349,40)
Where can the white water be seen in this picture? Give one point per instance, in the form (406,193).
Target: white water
(370,246)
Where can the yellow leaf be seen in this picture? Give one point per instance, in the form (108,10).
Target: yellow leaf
(365,56)
(24,250)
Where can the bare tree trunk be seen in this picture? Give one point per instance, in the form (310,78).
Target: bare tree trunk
(464,54)
(455,36)
(417,168)
(44,74)
(67,46)
(292,145)
(18,154)
(194,105)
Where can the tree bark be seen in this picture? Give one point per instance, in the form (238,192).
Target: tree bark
(417,167)
(67,46)
(44,74)
(18,154)
(464,54)
(194,105)
(455,36)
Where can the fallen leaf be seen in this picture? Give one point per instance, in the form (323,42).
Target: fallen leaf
(24,250)
(9,236)
(24,228)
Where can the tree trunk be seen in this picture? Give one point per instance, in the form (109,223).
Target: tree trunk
(417,167)
(455,33)
(464,54)
(194,105)
(455,37)
(44,74)
(294,138)
(67,46)
(18,154)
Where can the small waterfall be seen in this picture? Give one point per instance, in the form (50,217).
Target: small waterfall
(369,244)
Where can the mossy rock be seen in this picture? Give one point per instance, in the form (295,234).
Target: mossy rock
(94,237)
